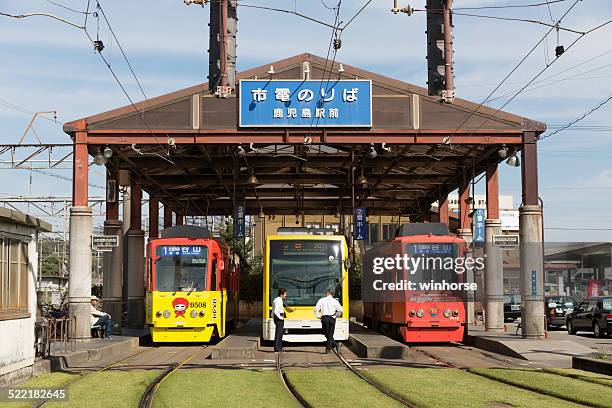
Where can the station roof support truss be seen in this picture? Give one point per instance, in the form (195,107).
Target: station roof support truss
(183,148)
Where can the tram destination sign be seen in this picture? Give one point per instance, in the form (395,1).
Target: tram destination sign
(312,103)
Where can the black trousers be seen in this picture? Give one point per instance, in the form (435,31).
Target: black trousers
(278,333)
(329,325)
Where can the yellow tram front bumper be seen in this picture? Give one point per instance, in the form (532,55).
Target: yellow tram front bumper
(182,334)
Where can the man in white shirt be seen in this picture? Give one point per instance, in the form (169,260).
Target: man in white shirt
(278,313)
(327,309)
(101,319)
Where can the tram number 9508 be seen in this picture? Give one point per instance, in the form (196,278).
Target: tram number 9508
(197,305)
(214,308)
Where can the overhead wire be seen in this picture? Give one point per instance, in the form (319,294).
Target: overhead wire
(65,7)
(578,119)
(541,72)
(516,67)
(508,6)
(131,69)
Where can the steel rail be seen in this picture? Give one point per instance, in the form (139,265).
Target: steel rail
(146,400)
(81,376)
(374,384)
(299,400)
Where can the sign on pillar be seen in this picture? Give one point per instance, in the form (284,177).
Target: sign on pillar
(360,226)
(479,225)
(239,222)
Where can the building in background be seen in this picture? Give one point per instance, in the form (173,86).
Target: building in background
(18,305)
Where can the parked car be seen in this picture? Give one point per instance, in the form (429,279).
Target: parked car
(512,307)
(557,308)
(592,314)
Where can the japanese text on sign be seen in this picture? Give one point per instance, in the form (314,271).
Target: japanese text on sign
(305,103)
(360,225)
(479,225)
(174,250)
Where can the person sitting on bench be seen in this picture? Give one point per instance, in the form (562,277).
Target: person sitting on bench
(100,319)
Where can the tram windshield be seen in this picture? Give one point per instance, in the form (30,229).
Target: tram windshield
(306,268)
(181,268)
(438,262)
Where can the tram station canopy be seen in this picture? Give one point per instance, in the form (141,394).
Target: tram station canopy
(185,148)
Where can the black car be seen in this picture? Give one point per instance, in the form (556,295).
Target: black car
(557,308)
(512,307)
(592,314)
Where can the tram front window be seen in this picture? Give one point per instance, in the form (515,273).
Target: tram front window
(306,269)
(437,262)
(181,268)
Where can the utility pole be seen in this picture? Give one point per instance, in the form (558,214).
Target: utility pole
(222,45)
(440,79)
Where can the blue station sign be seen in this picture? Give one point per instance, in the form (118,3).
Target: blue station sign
(360,225)
(479,225)
(239,222)
(313,103)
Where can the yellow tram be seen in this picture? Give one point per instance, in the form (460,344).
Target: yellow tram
(192,286)
(306,262)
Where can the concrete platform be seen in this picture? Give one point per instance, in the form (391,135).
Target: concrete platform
(545,352)
(241,344)
(367,343)
(94,349)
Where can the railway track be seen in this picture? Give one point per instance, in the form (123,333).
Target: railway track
(299,400)
(108,367)
(374,384)
(146,400)
(511,384)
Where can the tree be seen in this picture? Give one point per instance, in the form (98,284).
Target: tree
(355,275)
(251,266)
(51,265)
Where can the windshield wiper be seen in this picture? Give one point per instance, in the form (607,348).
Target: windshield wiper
(194,287)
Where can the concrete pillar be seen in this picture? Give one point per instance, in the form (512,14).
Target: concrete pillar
(531,236)
(532,272)
(112,287)
(494,279)
(466,235)
(135,262)
(494,272)
(79,284)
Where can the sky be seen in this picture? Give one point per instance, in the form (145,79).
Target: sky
(49,65)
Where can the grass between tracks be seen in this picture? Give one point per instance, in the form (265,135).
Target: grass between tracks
(337,388)
(582,375)
(209,387)
(107,389)
(572,389)
(50,380)
(453,388)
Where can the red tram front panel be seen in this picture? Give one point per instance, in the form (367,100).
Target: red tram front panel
(419,316)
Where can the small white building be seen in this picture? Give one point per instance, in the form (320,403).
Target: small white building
(18,308)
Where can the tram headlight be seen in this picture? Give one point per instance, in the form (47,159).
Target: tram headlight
(202,313)
(166,314)
(447,313)
(420,313)
(411,313)
(455,312)
(194,313)
(158,314)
